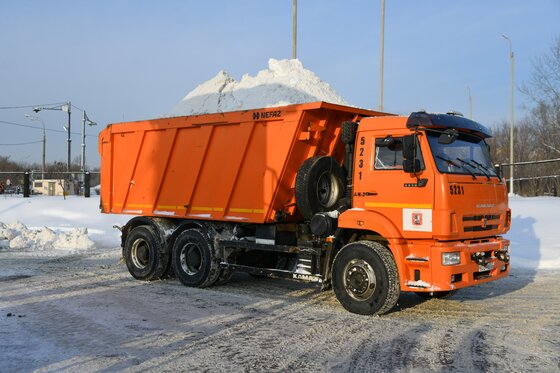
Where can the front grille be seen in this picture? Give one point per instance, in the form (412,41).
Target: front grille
(481,229)
(480,217)
(481,223)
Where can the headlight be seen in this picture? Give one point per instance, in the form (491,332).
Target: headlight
(450,259)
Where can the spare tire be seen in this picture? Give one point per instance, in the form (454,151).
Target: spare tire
(348,132)
(319,186)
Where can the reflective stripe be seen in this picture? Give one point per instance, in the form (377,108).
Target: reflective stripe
(198,208)
(248,211)
(400,205)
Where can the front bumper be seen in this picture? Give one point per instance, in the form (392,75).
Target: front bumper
(481,261)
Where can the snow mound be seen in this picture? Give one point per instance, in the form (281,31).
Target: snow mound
(534,232)
(17,236)
(285,82)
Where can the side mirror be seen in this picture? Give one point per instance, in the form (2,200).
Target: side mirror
(499,171)
(409,147)
(448,136)
(411,166)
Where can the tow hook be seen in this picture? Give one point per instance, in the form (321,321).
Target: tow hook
(480,258)
(502,255)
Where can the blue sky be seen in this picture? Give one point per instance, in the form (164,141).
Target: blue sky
(135,59)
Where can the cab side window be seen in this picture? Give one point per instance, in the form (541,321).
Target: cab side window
(390,157)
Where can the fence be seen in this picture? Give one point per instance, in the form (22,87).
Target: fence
(31,182)
(534,178)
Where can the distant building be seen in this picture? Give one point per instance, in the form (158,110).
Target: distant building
(52,187)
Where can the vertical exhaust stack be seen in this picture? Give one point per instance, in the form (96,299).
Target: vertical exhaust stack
(348,137)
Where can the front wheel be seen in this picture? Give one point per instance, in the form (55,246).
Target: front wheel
(365,278)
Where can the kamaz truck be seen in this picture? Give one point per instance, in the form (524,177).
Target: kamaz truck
(366,203)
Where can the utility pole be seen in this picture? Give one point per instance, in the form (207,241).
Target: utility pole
(85,120)
(511,60)
(382,55)
(470,102)
(83,160)
(31,117)
(69,111)
(294,31)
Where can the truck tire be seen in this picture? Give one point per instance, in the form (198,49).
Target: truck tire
(194,262)
(145,258)
(319,186)
(225,276)
(348,132)
(365,279)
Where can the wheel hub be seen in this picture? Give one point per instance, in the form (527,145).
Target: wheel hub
(191,258)
(359,279)
(140,254)
(326,189)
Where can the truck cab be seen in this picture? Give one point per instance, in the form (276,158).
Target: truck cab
(427,186)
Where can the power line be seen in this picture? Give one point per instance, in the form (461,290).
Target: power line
(23,143)
(28,106)
(21,125)
(40,128)
(75,107)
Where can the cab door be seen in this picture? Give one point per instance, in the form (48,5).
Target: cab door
(381,184)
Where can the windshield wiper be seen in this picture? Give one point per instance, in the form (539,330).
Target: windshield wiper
(483,168)
(448,161)
(467,169)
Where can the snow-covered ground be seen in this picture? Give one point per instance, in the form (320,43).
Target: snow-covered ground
(68,309)
(534,233)
(54,226)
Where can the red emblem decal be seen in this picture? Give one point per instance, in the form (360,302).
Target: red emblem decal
(416,218)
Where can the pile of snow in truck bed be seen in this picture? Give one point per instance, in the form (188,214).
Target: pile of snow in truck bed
(285,82)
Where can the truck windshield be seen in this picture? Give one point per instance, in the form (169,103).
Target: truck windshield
(468,154)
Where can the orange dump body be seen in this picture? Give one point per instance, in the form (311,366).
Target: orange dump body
(235,166)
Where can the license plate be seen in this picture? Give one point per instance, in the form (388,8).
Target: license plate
(486,267)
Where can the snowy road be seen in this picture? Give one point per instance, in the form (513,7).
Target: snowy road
(84,312)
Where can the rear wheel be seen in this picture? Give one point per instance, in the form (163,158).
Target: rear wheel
(145,257)
(194,262)
(365,278)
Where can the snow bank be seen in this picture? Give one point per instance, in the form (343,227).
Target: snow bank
(55,226)
(534,233)
(17,236)
(285,82)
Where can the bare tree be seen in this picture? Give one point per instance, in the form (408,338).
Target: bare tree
(544,85)
(537,135)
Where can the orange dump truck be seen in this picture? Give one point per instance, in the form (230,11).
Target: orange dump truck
(368,203)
